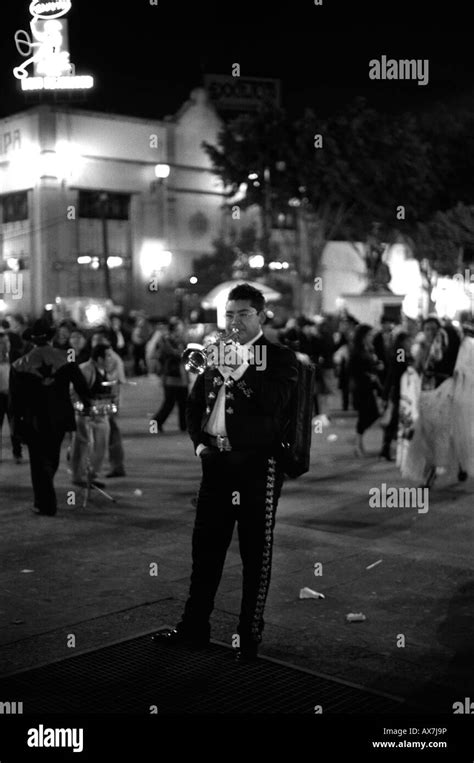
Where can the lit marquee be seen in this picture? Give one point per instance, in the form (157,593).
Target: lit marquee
(47,50)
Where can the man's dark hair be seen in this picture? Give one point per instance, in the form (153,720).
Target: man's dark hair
(245,291)
(99,351)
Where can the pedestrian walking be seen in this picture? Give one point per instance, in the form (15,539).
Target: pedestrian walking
(42,409)
(363,370)
(175,378)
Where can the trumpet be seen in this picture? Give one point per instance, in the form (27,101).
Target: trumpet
(196,357)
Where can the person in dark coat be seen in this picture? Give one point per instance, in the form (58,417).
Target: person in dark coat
(396,367)
(383,344)
(364,367)
(13,325)
(42,409)
(5,365)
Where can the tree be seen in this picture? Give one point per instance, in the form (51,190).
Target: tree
(342,173)
(450,132)
(447,239)
(229,259)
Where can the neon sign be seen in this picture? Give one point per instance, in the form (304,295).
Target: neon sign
(51,10)
(47,50)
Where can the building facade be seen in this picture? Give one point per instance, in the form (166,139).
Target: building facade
(78,189)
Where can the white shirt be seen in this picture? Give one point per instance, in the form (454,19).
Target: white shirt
(216,424)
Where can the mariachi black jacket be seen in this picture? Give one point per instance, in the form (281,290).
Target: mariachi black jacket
(256,404)
(39,392)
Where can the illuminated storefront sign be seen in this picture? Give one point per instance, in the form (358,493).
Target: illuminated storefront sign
(47,50)
(58,83)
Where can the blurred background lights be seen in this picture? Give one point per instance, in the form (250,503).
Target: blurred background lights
(153,257)
(256,261)
(162,171)
(95,313)
(114,262)
(29,164)
(68,160)
(450,296)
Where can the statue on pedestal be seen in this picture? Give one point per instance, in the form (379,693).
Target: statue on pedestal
(378,272)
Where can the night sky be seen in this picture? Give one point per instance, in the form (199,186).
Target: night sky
(147,58)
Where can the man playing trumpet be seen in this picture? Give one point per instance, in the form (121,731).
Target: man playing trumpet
(236,416)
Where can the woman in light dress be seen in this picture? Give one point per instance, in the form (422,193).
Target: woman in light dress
(436,433)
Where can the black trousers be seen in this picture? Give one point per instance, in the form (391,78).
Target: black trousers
(391,430)
(365,404)
(173,395)
(15,441)
(44,449)
(242,487)
(139,359)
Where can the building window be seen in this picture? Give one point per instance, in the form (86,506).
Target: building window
(14,207)
(117,205)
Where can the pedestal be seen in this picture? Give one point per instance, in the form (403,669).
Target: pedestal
(370,306)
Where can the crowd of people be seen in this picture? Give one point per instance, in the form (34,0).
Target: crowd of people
(383,374)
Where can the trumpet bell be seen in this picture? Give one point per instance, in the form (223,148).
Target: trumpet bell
(195,359)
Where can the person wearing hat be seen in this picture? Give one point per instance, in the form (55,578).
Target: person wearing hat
(42,409)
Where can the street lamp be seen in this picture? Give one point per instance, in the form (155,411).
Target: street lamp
(162,171)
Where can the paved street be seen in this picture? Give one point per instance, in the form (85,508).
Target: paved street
(87,572)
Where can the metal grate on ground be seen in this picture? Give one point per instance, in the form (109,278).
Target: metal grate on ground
(132,676)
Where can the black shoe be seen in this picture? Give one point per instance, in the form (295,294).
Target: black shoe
(97,483)
(246,655)
(42,513)
(462,475)
(176,637)
(116,473)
